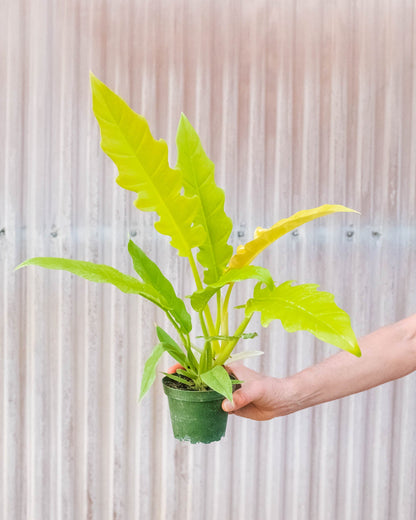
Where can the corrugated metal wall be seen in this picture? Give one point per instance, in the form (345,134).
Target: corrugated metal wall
(298,103)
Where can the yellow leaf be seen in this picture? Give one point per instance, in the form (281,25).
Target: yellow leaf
(264,237)
(143,167)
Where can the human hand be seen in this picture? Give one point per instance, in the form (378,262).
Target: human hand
(260,397)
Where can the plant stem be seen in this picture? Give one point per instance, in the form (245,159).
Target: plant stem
(219,315)
(224,312)
(186,342)
(207,311)
(227,296)
(203,325)
(184,339)
(211,328)
(228,348)
(195,272)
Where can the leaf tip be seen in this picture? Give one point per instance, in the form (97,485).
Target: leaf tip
(30,261)
(343,208)
(98,86)
(94,80)
(143,391)
(159,332)
(184,118)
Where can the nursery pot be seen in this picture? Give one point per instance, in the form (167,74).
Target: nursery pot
(196,416)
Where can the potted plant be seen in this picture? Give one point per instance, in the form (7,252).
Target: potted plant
(191,212)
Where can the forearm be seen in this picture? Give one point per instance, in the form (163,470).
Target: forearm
(387,354)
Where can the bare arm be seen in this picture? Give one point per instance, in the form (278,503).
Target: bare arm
(387,354)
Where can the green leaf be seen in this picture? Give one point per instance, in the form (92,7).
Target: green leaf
(187,373)
(205,362)
(143,167)
(101,274)
(248,335)
(264,237)
(171,347)
(177,355)
(190,358)
(303,307)
(199,299)
(198,178)
(218,379)
(152,275)
(149,372)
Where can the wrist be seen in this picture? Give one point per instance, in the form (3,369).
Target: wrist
(292,393)
(404,342)
(409,328)
(304,390)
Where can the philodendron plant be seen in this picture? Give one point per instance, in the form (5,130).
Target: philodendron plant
(191,212)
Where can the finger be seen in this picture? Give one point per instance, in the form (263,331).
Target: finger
(174,368)
(241,398)
(249,412)
(242,372)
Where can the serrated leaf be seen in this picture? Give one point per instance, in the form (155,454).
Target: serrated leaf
(264,237)
(218,379)
(102,274)
(199,299)
(143,167)
(198,178)
(303,307)
(152,275)
(149,372)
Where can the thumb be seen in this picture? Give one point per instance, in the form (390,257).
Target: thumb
(241,398)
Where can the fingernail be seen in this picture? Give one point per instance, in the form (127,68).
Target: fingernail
(228,406)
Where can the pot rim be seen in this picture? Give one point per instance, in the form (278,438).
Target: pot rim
(190,395)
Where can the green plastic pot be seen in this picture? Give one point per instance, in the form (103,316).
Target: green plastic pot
(196,416)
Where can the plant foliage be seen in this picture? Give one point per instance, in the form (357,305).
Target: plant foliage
(190,207)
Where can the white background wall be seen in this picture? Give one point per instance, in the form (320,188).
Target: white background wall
(298,103)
